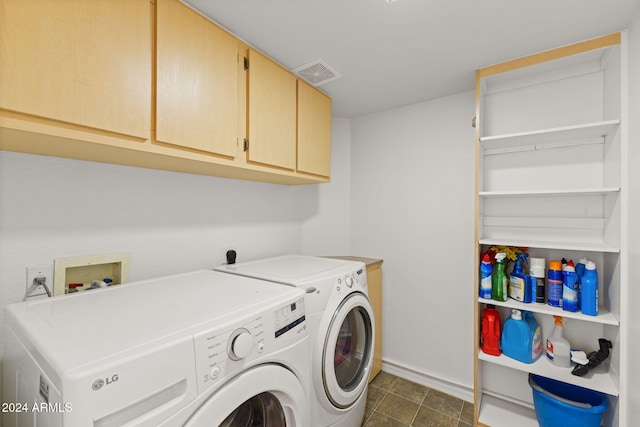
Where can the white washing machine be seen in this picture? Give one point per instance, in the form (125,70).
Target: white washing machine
(196,349)
(340,326)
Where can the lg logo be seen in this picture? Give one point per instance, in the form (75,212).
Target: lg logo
(99,383)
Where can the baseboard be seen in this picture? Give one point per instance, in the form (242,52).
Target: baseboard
(458,390)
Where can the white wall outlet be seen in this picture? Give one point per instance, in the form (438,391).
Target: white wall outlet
(38,272)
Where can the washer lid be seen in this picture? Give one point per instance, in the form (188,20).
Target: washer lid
(74,330)
(293,270)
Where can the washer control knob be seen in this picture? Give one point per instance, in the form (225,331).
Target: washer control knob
(240,344)
(349,281)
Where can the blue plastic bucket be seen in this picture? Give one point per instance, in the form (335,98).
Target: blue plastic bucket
(560,404)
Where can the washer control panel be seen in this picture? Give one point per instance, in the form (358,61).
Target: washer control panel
(224,351)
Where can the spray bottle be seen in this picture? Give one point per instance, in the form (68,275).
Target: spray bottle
(558,348)
(499,278)
(519,282)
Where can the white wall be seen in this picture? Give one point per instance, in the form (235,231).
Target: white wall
(412,188)
(326,226)
(169,222)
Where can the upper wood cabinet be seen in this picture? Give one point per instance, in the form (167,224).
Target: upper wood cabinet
(86,63)
(151,83)
(197,81)
(314,130)
(271,123)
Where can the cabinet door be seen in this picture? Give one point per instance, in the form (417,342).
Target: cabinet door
(271,124)
(82,62)
(197,81)
(314,130)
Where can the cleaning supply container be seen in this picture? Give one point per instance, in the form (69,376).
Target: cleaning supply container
(519,282)
(499,278)
(486,270)
(554,284)
(570,288)
(589,290)
(559,404)
(490,337)
(520,338)
(538,288)
(558,348)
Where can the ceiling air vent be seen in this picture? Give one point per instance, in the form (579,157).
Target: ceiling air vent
(317,72)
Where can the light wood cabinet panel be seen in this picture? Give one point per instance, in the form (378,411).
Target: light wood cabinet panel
(197,81)
(86,63)
(271,125)
(314,130)
(143,83)
(374,283)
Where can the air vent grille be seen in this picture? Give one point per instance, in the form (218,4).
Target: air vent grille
(317,73)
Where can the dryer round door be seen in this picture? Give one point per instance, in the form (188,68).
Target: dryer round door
(348,349)
(266,395)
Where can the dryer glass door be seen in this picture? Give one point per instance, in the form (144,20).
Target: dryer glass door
(348,351)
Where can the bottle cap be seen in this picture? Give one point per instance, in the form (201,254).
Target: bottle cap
(555,265)
(500,256)
(486,258)
(590,265)
(569,266)
(516,314)
(583,261)
(558,321)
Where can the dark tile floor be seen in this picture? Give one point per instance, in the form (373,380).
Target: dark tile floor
(396,402)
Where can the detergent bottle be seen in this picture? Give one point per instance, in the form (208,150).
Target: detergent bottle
(570,288)
(521,337)
(499,278)
(490,337)
(519,282)
(558,348)
(536,335)
(486,270)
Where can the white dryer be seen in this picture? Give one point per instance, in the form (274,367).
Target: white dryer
(196,349)
(341,330)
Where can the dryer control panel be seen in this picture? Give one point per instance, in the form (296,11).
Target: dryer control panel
(225,351)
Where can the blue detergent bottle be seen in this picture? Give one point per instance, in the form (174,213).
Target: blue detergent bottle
(521,337)
(519,282)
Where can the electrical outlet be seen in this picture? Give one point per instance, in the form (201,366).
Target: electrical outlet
(38,272)
(224,250)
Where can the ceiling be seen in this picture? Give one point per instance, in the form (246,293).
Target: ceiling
(398,53)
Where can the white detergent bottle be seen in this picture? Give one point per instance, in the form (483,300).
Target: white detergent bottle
(558,348)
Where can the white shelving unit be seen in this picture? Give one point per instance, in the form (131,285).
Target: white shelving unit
(549,143)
